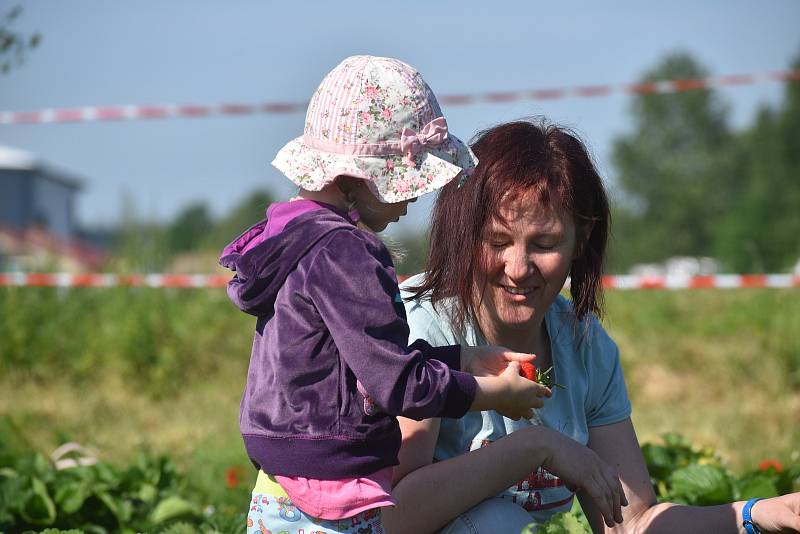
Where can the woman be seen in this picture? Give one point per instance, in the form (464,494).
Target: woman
(502,245)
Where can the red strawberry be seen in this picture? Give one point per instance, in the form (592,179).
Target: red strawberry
(528,370)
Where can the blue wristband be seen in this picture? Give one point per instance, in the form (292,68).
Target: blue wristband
(747,521)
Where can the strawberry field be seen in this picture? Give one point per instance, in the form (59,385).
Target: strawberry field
(148,383)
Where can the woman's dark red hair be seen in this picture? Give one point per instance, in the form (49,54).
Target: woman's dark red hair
(534,159)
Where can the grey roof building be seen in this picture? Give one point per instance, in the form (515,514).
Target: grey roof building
(35,195)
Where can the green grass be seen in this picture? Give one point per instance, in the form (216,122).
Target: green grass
(720,366)
(122,370)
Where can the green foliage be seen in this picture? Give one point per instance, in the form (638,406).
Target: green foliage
(561,523)
(155,338)
(414,252)
(190,228)
(685,473)
(14,45)
(760,232)
(140,244)
(676,168)
(572,522)
(143,244)
(244,215)
(149,495)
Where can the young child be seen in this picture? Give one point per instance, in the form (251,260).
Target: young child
(331,366)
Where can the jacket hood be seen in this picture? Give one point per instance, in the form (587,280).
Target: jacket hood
(261,264)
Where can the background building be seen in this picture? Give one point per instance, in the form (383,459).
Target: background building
(38,228)
(32,194)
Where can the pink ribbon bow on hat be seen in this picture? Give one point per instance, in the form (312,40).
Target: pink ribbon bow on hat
(432,134)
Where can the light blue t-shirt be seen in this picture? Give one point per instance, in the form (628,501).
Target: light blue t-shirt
(585,361)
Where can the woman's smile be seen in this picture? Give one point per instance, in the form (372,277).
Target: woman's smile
(518,294)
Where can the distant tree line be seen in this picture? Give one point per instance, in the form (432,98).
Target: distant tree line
(140,245)
(148,246)
(689,185)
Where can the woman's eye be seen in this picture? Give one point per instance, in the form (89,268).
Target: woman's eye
(545,246)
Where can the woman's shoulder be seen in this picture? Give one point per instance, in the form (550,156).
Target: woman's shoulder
(423,305)
(568,331)
(425,320)
(416,306)
(407,287)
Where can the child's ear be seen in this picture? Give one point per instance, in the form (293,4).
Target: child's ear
(342,183)
(348,184)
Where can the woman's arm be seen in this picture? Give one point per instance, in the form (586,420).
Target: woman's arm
(617,445)
(430,495)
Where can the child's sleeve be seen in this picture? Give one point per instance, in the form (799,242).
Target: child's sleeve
(353,286)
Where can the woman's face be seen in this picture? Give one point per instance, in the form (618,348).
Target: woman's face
(528,259)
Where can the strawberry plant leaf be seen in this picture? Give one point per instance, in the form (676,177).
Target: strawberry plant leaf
(701,485)
(70,496)
(38,507)
(757,486)
(172,508)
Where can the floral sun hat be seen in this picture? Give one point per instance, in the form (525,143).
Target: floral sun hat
(375,118)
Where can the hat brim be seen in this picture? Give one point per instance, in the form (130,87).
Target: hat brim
(390,178)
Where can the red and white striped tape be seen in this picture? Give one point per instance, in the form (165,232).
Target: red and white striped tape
(719,281)
(170,111)
(21,279)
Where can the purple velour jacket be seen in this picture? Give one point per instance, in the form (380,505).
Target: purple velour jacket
(331,366)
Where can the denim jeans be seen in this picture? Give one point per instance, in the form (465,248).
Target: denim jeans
(492,516)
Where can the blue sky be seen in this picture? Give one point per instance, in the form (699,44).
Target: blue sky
(109,52)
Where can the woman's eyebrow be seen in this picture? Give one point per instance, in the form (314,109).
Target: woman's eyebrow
(498,232)
(549,233)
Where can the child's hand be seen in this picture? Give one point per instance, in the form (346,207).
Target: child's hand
(509,394)
(490,360)
(522,394)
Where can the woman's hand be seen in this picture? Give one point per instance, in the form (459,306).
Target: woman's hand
(509,394)
(582,469)
(778,514)
(490,360)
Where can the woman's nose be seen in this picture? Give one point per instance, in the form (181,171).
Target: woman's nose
(518,264)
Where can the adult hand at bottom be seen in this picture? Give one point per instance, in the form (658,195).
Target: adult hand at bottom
(582,469)
(778,514)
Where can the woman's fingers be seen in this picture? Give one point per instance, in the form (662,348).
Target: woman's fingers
(616,491)
(601,499)
(608,496)
(617,495)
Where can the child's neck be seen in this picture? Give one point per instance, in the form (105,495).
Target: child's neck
(330,194)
